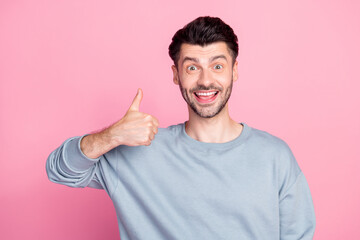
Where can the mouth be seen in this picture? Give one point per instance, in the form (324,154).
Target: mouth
(206,96)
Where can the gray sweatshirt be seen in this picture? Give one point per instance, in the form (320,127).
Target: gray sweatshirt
(181,188)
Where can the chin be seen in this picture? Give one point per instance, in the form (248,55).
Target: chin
(206,114)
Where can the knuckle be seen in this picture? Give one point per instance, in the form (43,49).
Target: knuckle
(145,139)
(148,131)
(156,120)
(148,117)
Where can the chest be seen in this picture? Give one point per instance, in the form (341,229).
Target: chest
(229,181)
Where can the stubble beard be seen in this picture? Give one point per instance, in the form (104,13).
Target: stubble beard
(206,111)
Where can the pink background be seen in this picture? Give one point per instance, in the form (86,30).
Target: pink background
(71,67)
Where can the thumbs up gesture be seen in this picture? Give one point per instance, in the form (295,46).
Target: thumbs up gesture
(135,105)
(134,129)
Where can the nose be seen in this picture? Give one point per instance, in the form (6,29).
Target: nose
(205,78)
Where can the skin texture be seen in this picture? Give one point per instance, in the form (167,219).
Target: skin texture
(208,75)
(207,68)
(134,129)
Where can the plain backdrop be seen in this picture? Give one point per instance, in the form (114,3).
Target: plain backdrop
(72,67)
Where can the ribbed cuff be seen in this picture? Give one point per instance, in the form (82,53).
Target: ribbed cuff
(79,161)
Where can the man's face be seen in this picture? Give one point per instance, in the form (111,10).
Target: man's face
(205,76)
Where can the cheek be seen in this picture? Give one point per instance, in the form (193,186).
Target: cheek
(228,76)
(224,79)
(188,80)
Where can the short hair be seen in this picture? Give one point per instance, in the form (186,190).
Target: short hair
(203,31)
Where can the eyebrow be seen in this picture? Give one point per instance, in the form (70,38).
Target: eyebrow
(210,60)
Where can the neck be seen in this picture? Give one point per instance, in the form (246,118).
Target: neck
(218,129)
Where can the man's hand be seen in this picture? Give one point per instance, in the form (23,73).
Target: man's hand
(134,129)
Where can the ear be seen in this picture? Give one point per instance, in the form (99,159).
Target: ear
(235,71)
(175,75)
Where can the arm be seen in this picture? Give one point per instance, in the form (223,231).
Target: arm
(67,165)
(297,215)
(134,129)
(75,163)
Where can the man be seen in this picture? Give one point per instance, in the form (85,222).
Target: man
(207,178)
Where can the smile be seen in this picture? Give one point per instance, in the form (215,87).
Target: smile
(206,96)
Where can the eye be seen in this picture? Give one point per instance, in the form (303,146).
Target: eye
(218,66)
(192,68)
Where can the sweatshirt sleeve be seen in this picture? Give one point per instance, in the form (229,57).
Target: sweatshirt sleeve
(67,165)
(297,215)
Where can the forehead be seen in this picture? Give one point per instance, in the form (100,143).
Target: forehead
(204,52)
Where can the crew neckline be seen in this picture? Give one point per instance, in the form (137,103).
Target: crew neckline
(195,144)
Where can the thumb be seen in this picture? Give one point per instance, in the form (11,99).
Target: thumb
(135,105)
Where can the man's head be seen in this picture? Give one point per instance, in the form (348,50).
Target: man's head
(203,31)
(204,54)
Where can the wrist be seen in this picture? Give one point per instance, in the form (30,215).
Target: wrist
(87,148)
(95,145)
(112,135)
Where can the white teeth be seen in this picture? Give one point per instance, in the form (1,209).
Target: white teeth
(205,94)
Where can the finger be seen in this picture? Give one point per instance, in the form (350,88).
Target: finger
(151,137)
(155,130)
(148,142)
(135,105)
(155,121)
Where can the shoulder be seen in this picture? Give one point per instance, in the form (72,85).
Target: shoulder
(170,131)
(274,146)
(266,140)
